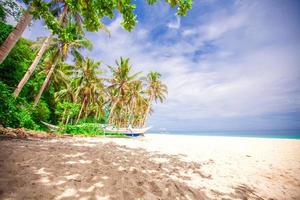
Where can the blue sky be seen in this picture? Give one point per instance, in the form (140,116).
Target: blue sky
(229,64)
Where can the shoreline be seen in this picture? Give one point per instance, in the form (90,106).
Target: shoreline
(291,137)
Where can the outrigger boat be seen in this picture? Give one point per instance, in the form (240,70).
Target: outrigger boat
(133,132)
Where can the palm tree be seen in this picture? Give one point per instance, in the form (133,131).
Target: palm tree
(120,83)
(66,91)
(66,87)
(156,91)
(15,35)
(90,85)
(135,100)
(62,75)
(60,50)
(39,55)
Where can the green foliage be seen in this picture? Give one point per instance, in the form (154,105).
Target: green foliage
(5,29)
(87,129)
(83,129)
(91,12)
(41,112)
(64,109)
(14,113)
(8,107)
(77,92)
(24,115)
(2,14)
(15,64)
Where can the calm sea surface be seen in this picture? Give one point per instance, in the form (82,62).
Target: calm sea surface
(287,134)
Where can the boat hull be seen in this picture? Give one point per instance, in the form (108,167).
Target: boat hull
(127,131)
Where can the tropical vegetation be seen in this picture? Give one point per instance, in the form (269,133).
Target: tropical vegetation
(38,85)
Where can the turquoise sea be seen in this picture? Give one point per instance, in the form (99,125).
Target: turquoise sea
(281,134)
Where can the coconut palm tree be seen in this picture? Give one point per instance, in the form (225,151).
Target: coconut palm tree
(120,82)
(15,35)
(156,90)
(37,8)
(60,50)
(90,85)
(135,100)
(39,55)
(92,12)
(66,87)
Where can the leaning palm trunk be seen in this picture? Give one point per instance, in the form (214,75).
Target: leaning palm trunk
(147,111)
(37,58)
(81,109)
(32,66)
(131,113)
(67,121)
(63,117)
(15,35)
(111,112)
(46,81)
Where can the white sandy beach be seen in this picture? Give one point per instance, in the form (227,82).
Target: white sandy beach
(271,167)
(150,167)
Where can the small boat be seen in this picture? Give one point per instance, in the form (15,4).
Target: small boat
(133,132)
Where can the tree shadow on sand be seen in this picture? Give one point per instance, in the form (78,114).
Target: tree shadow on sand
(64,169)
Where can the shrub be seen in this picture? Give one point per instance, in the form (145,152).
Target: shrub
(25,118)
(5,29)
(8,107)
(83,129)
(15,113)
(41,112)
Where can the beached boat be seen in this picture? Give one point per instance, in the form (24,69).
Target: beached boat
(127,131)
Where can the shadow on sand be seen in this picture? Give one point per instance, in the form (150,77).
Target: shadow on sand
(68,169)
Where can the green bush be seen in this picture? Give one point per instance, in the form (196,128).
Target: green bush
(65,109)
(41,112)
(5,29)
(25,118)
(18,60)
(15,113)
(86,129)
(2,14)
(8,107)
(83,129)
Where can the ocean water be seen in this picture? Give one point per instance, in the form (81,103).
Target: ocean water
(281,134)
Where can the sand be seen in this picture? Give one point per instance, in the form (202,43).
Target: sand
(152,167)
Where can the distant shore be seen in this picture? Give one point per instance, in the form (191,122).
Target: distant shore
(151,167)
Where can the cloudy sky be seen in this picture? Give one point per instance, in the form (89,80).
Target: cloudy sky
(228,65)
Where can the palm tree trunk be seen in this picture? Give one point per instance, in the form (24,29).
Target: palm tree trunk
(37,57)
(111,111)
(15,35)
(131,113)
(81,109)
(67,121)
(147,111)
(32,66)
(63,117)
(46,81)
